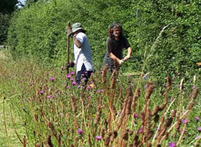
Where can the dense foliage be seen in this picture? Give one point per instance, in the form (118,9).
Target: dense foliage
(6,8)
(39,31)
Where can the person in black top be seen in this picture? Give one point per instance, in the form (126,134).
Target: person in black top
(116,42)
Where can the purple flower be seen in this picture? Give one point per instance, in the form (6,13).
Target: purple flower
(172,144)
(68,76)
(179,74)
(41,92)
(197,118)
(135,115)
(199,129)
(89,87)
(50,96)
(79,86)
(193,87)
(184,121)
(72,73)
(98,137)
(102,90)
(171,99)
(140,130)
(174,78)
(73,83)
(89,97)
(61,114)
(51,78)
(79,131)
(72,79)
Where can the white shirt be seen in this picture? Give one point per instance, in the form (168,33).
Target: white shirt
(83,55)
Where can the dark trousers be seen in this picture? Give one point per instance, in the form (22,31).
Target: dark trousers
(83,74)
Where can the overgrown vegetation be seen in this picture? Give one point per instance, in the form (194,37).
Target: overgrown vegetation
(110,111)
(39,31)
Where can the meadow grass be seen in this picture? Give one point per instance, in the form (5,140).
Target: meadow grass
(50,109)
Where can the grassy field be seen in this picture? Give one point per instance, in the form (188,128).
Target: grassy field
(49,108)
(10,121)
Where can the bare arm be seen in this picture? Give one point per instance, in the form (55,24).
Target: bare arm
(113,57)
(76,41)
(128,54)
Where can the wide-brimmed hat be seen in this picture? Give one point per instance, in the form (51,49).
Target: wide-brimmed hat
(75,27)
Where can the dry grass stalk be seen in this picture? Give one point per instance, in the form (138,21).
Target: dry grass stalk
(89,141)
(98,114)
(24,141)
(112,92)
(73,103)
(48,142)
(126,108)
(104,74)
(135,98)
(123,138)
(149,90)
(52,129)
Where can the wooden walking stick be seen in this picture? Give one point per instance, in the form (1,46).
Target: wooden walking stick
(68,31)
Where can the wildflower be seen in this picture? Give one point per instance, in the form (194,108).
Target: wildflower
(199,129)
(73,83)
(98,137)
(49,96)
(197,118)
(72,79)
(145,86)
(172,144)
(72,73)
(79,86)
(174,78)
(89,97)
(51,79)
(61,114)
(193,87)
(89,87)
(79,131)
(140,130)
(102,90)
(68,76)
(179,74)
(41,92)
(171,99)
(184,121)
(135,115)
(197,137)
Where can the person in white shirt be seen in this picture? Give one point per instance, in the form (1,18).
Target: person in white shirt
(82,53)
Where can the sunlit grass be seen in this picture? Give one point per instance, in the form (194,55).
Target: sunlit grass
(48,107)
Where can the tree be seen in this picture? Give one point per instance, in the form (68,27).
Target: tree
(7,6)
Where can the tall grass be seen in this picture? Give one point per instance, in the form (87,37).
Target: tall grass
(111,110)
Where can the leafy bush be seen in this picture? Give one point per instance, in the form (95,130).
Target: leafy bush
(39,30)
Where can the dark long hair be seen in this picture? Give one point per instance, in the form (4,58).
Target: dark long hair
(111,30)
